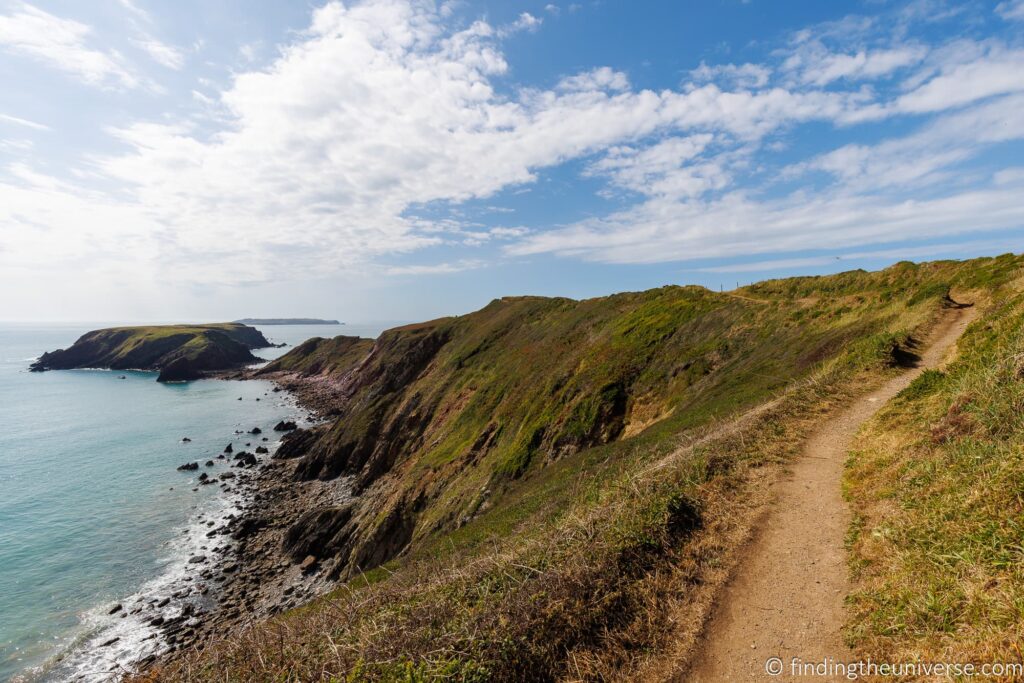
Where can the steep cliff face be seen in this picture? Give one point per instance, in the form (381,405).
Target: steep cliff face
(435,423)
(180,352)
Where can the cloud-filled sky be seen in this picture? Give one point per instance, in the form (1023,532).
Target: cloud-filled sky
(404,159)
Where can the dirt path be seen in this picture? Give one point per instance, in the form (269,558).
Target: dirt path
(786,598)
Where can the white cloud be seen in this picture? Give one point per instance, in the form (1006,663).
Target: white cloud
(62,44)
(377,109)
(136,10)
(602,78)
(525,22)
(164,54)
(22,122)
(970,75)
(665,230)
(436,269)
(1011,10)
(323,159)
(862,65)
(739,75)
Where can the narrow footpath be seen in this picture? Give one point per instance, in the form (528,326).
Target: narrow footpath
(786,597)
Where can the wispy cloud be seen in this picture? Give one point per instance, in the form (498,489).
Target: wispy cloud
(162,53)
(1011,10)
(62,44)
(22,122)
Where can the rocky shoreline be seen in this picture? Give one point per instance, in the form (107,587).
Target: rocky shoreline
(244,573)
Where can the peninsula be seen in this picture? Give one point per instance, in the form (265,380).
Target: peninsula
(288,321)
(179,352)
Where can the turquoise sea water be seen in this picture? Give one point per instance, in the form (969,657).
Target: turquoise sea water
(92,509)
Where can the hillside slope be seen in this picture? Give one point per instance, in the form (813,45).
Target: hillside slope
(555,486)
(179,352)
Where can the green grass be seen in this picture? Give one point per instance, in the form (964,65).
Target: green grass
(577,494)
(936,483)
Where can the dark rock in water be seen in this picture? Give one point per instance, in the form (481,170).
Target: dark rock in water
(157,621)
(228,475)
(264,439)
(285,426)
(204,476)
(185,439)
(122,377)
(239,398)
(163,603)
(197,559)
(255,430)
(262,449)
(246,459)
(220,457)
(111,641)
(116,608)
(209,463)
(189,466)
(228,448)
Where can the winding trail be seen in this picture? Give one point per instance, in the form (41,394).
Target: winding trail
(786,597)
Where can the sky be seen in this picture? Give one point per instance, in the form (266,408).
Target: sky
(402,160)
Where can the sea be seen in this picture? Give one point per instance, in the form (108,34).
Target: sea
(93,511)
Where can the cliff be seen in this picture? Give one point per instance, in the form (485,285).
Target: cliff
(551,488)
(434,423)
(179,352)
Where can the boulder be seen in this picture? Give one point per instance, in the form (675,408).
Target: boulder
(209,463)
(188,467)
(228,448)
(285,426)
(255,430)
(262,449)
(308,563)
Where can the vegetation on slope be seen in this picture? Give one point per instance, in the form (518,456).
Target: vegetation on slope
(936,486)
(555,486)
(180,352)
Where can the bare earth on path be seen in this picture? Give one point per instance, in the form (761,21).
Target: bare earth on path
(786,597)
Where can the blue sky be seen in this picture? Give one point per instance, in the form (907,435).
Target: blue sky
(400,160)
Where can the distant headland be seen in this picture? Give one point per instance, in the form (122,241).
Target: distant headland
(288,321)
(179,352)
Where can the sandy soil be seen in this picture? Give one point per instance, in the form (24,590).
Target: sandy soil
(786,597)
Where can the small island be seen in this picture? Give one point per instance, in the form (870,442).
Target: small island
(179,352)
(288,321)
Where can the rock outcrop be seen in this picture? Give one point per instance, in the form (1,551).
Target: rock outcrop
(179,352)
